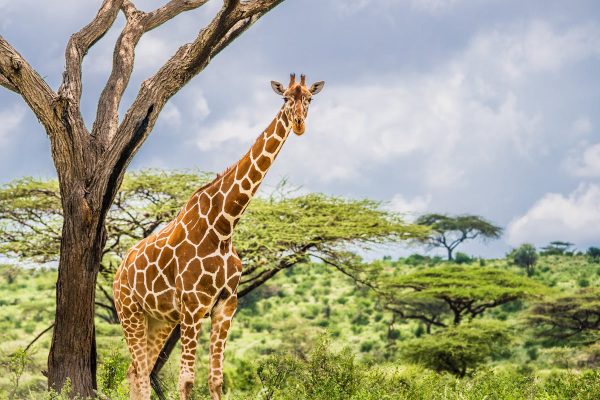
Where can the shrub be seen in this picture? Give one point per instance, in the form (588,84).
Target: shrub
(525,256)
(462,258)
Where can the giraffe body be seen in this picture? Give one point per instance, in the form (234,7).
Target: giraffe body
(189,269)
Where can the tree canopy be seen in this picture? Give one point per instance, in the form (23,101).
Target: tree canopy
(450,231)
(466,291)
(574,316)
(459,348)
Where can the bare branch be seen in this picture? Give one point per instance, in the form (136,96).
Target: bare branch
(138,23)
(17,75)
(80,43)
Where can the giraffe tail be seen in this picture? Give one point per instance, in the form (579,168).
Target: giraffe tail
(158,386)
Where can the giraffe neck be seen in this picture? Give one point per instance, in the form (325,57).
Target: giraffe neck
(232,191)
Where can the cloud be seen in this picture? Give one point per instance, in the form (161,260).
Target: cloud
(585,162)
(574,217)
(466,114)
(411,207)
(515,53)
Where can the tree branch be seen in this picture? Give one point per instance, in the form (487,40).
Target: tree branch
(138,23)
(17,75)
(80,43)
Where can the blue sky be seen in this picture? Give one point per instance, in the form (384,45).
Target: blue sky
(460,106)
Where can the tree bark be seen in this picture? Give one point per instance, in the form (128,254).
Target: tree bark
(73,349)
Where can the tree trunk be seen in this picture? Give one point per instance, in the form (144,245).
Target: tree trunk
(449,253)
(73,350)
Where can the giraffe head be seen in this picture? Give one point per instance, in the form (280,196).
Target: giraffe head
(297,98)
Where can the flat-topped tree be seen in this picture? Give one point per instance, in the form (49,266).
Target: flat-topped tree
(467,291)
(90,163)
(572,317)
(450,231)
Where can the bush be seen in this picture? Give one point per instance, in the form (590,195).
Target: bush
(462,258)
(525,256)
(112,373)
(593,254)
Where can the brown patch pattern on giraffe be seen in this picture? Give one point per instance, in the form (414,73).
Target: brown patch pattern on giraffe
(190,269)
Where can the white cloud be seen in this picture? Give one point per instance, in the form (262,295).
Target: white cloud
(410,207)
(9,120)
(574,217)
(466,114)
(585,162)
(513,54)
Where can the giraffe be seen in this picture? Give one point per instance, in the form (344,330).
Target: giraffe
(189,269)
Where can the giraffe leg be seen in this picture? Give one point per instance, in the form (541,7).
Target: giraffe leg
(133,322)
(221,317)
(158,333)
(190,329)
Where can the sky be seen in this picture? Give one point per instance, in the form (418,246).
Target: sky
(487,107)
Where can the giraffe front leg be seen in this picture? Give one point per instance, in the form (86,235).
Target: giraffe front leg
(190,330)
(221,317)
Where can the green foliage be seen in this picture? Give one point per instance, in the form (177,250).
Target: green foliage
(593,254)
(112,373)
(462,258)
(458,349)
(568,317)
(450,231)
(464,290)
(15,365)
(525,256)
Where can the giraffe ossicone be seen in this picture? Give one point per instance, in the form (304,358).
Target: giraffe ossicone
(190,269)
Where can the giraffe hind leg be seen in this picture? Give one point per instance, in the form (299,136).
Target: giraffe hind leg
(134,324)
(158,333)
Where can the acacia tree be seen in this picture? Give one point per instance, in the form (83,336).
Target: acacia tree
(449,232)
(90,163)
(465,292)
(572,316)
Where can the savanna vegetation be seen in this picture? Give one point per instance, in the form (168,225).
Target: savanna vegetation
(315,320)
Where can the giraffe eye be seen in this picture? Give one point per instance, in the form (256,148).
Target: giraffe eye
(309,100)
(286,99)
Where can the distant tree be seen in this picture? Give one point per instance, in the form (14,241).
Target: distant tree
(450,231)
(556,247)
(593,254)
(466,291)
(573,316)
(525,256)
(458,349)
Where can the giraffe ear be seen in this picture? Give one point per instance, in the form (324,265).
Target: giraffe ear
(277,87)
(316,87)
